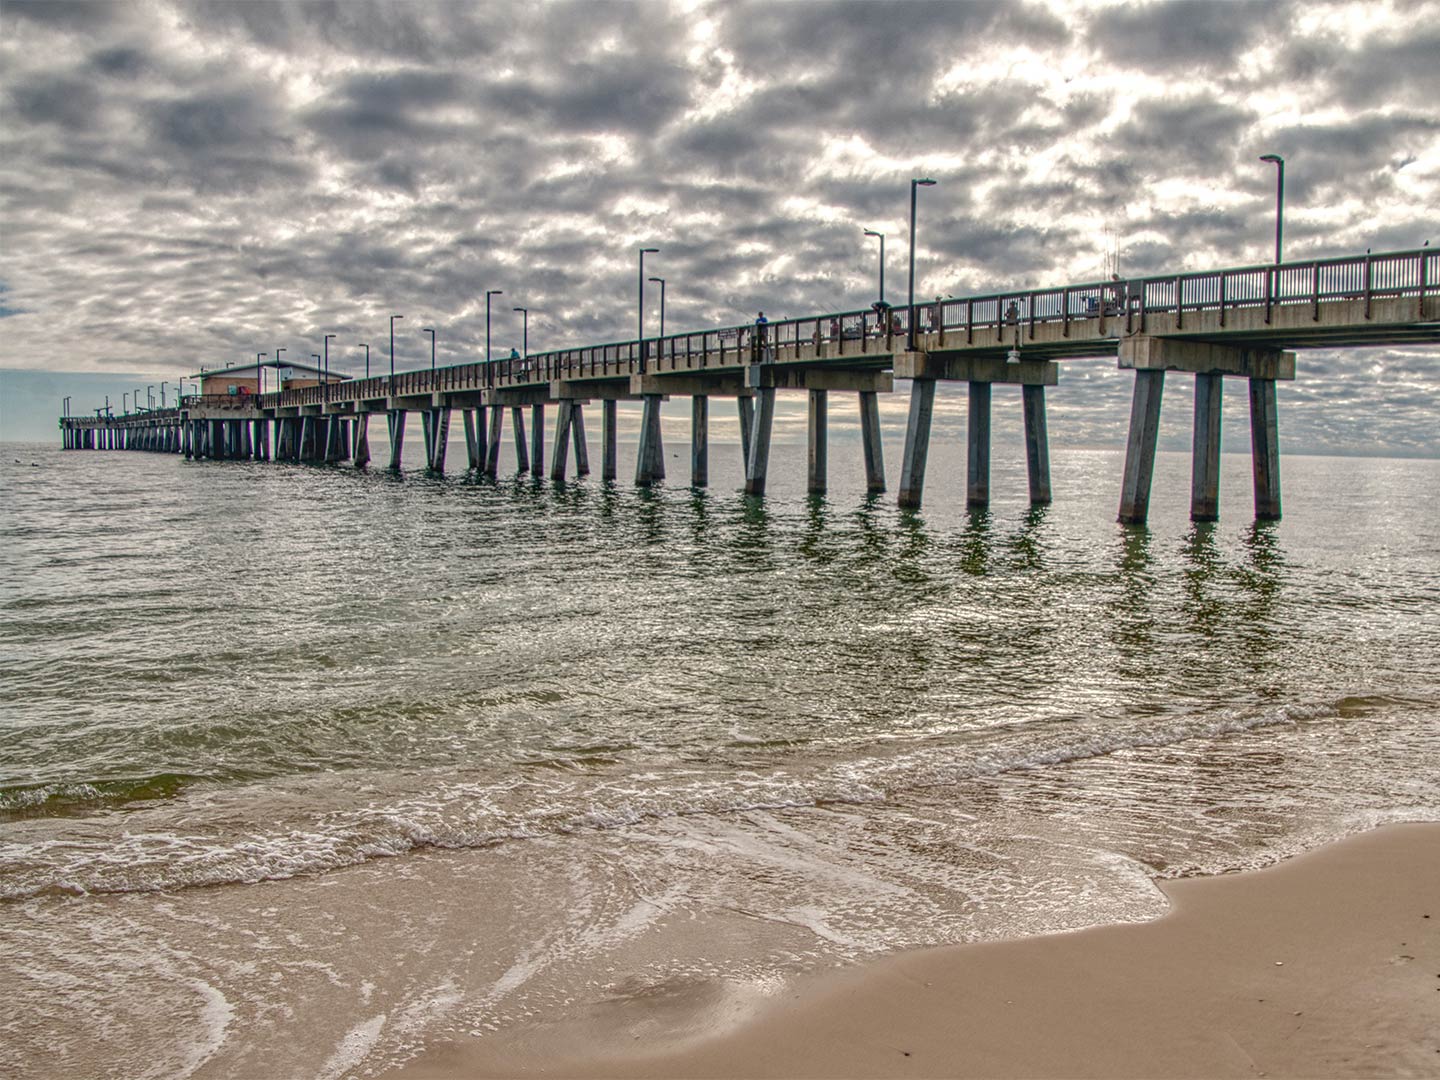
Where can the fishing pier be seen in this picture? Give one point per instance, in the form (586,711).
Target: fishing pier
(1245,323)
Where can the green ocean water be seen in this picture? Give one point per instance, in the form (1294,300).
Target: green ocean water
(448,754)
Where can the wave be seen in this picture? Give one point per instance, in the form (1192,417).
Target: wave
(450,814)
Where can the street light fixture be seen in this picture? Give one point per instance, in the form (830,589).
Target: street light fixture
(525,333)
(661,280)
(488,294)
(640,314)
(1279,163)
(325,394)
(279,382)
(881,235)
(125,402)
(910,304)
(162,392)
(392,352)
(150,397)
(367,358)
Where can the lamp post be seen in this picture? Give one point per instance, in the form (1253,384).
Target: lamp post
(661,280)
(279,382)
(260,371)
(65,404)
(881,235)
(325,394)
(150,397)
(910,303)
(125,402)
(162,393)
(488,294)
(525,333)
(367,358)
(427,330)
(392,352)
(640,313)
(135,399)
(1279,163)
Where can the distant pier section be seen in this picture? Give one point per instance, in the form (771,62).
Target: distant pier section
(1246,323)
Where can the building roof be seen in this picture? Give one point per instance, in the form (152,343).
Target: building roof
(252,369)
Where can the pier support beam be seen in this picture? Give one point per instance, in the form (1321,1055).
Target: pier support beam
(699,441)
(1265,449)
(442,438)
(395,422)
(977,439)
(522,453)
(816,459)
(609,441)
(360,448)
(560,456)
(577,436)
(492,446)
(746,408)
(1037,444)
(757,465)
(427,432)
(537,439)
(1140,447)
(870,438)
(650,456)
(1205,448)
(917,443)
(472,448)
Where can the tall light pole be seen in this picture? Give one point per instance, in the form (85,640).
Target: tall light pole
(150,396)
(1279,163)
(525,333)
(392,352)
(910,315)
(488,294)
(881,235)
(427,330)
(367,358)
(260,371)
(66,404)
(661,280)
(279,383)
(640,314)
(162,393)
(325,394)
(125,402)
(135,399)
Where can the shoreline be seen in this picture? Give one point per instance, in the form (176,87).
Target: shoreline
(1324,965)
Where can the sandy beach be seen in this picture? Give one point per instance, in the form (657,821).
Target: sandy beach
(1327,965)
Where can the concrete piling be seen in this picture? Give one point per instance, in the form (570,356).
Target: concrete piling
(492,446)
(977,445)
(560,456)
(522,452)
(577,435)
(650,456)
(917,443)
(609,456)
(1037,443)
(395,422)
(870,439)
(1140,446)
(699,441)
(816,459)
(537,439)
(1265,449)
(1205,448)
(757,465)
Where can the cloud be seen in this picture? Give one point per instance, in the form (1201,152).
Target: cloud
(204,180)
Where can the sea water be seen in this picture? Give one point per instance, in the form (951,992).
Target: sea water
(301,766)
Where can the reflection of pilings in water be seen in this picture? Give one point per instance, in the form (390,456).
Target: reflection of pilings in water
(1024,543)
(975,542)
(1202,568)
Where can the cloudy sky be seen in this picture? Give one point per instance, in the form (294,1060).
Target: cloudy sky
(189,183)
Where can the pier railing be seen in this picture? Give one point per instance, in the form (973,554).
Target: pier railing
(1119,305)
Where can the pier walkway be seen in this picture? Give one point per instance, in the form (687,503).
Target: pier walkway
(1241,323)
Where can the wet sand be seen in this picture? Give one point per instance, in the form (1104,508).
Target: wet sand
(1327,965)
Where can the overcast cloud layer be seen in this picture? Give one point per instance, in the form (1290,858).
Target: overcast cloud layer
(187,184)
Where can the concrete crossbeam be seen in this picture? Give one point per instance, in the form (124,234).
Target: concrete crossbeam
(964,367)
(1147,353)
